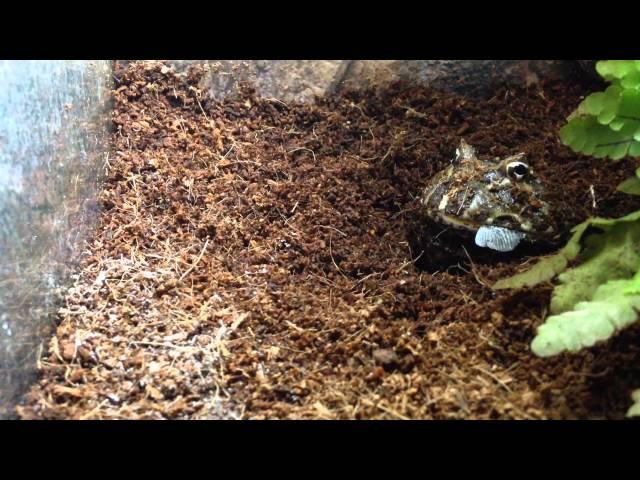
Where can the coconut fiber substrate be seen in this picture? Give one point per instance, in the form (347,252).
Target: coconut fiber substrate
(253,260)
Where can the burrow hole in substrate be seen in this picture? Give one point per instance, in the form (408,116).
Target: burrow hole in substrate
(439,249)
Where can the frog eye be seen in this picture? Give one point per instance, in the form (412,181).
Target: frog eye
(517,170)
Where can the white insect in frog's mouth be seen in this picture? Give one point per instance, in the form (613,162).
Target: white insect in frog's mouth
(498,238)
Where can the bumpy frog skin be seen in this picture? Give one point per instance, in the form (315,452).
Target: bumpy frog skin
(501,200)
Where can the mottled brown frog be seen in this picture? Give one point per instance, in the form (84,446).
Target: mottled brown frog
(500,200)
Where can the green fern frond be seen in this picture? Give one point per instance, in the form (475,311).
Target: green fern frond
(634,411)
(592,321)
(585,134)
(601,295)
(607,124)
(631,186)
(618,70)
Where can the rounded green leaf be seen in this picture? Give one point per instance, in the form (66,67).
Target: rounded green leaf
(616,124)
(634,410)
(606,116)
(578,142)
(610,104)
(568,133)
(615,69)
(619,151)
(630,186)
(632,80)
(629,104)
(593,104)
(589,146)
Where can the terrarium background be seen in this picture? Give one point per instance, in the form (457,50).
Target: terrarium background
(54,145)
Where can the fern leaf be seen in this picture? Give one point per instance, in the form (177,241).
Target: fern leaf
(631,185)
(585,134)
(617,69)
(592,321)
(613,254)
(634,411)
(548,267)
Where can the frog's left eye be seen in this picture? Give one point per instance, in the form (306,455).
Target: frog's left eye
(517,170)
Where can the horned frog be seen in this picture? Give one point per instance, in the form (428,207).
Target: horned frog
(498,201)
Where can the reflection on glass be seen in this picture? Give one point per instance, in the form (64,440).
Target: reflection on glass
(54,120)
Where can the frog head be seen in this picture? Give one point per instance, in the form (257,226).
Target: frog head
(501,200)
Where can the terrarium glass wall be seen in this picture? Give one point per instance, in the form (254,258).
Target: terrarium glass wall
(54,122)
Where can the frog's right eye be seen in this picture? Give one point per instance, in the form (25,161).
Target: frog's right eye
(517,170)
